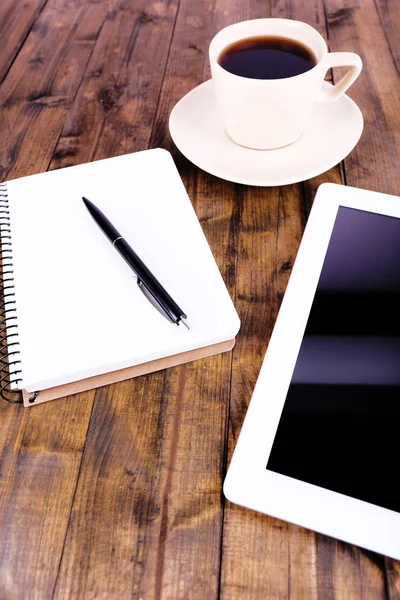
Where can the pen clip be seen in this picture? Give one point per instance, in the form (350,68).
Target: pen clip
(151,298)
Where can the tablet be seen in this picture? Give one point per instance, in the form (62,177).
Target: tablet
(320,444)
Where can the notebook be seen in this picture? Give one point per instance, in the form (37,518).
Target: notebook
(73,316)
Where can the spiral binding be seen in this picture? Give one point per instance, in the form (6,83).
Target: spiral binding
(10,362)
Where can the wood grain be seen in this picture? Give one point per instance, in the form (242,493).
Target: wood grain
(16,20)
(373,162)
(114,108)
(37,492)
(389,12)
(42,82)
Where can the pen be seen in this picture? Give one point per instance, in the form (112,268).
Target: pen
(150,286)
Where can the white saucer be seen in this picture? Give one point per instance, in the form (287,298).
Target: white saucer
(332,132)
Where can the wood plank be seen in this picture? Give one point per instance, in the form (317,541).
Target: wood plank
(38,495)
(373,164)
(263,557)
(393,578)
(16,20)
(389,11)
(138,490)
(12,419)
(350,572)
(114,109)
(43,80)
(113,504)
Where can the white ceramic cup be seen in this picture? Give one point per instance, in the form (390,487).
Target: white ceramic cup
(271,113)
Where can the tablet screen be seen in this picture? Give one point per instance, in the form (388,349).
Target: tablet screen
(340,426)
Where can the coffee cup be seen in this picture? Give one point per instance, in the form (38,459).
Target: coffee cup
(271,113)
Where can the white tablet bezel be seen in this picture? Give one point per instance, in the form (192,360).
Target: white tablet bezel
(248,482)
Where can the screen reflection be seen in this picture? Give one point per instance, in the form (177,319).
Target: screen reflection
(340,425)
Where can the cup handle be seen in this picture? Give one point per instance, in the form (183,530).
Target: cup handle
(341,59)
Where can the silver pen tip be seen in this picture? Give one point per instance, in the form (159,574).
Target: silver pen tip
(184,322)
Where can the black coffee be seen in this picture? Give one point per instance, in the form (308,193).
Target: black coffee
(267,57)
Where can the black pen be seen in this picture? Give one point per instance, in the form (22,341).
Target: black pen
(149,285)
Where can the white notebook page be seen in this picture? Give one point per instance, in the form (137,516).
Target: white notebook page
(80,311)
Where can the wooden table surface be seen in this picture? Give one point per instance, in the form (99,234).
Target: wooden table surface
(116,493)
